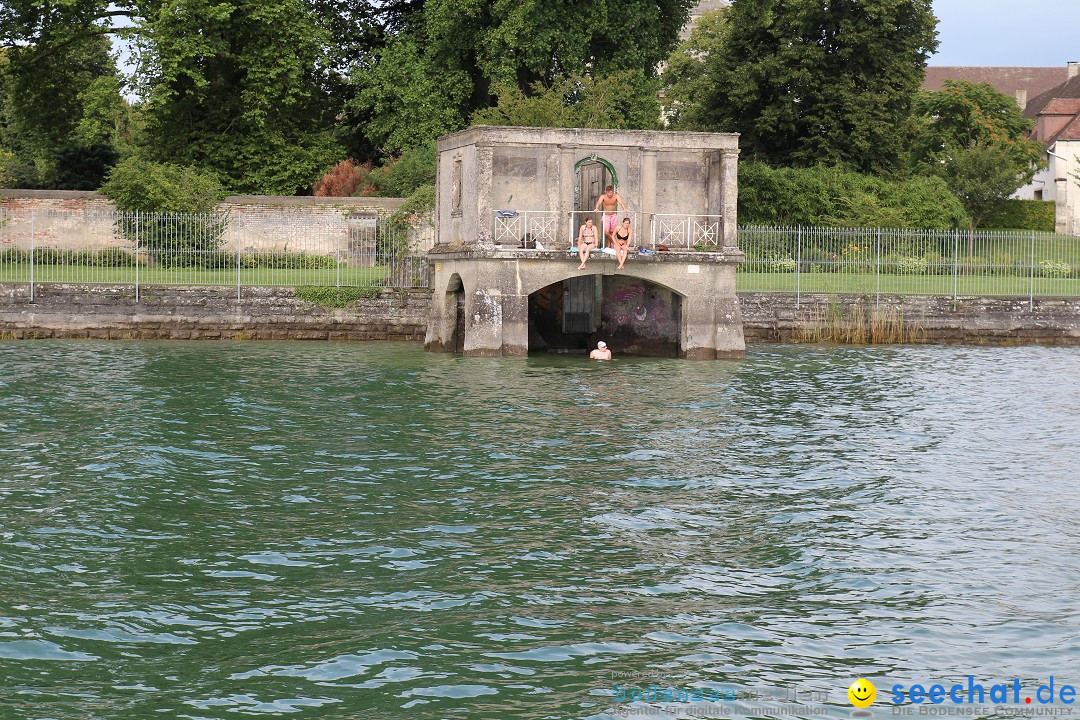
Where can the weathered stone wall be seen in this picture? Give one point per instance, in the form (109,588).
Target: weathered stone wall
(774,317)
(106,311)
(103,311)
(83,220)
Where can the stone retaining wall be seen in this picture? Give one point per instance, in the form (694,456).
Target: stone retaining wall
(77,220)
(187,313)
(774,317)
(105,311)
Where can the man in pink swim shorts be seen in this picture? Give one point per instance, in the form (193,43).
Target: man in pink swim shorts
(610,202)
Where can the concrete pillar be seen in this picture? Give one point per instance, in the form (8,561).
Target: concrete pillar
(631,189)
(699,328)
(648,196)
(566,191)
(515,341)
(441,317)
(730,341)
(729,178)
(484,211)
(483,323)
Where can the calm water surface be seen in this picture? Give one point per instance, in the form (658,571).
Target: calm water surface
(368,531)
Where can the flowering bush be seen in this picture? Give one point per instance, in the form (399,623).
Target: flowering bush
(1054,269)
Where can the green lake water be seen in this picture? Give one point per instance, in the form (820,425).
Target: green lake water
(221,530)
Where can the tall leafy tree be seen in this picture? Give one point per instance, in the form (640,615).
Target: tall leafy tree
(964,115)
(446,59)
(976,138)
(235,87)
(65,117)
(686,79)
(821,81)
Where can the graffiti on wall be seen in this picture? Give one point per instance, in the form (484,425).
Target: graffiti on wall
(640,316)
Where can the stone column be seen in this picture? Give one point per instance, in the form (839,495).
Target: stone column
(699,328)
(483,322)
(515,314)
(729,178)
(648,196)
(566,192)
(485,212)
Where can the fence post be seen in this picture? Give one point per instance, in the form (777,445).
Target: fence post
(33,216)
(1031,285)
(239,224)
(877,271)
(798,262)
(956,260)
(136,256)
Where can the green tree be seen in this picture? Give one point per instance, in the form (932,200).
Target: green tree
(223,96)
(809,82)
(180,228)
(623,100)
(976,138)
(686,78)
(447,59)
(964,114)
(63,118)
(981,176)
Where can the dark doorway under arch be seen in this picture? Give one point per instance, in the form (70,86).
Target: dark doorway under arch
(634,316)
(455,302)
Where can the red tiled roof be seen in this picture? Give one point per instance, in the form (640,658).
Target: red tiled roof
(1068,89)
(1061,106)
(1070,131)
(1035,80)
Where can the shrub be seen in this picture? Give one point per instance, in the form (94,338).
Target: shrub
(778,265)
(910,266)
(343,180)
(182,199)
(1021,215)
(109,257)
(335,297)
(402,176)
(1054,269)
(838,197)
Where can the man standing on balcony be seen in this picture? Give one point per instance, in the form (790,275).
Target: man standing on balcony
(611,202)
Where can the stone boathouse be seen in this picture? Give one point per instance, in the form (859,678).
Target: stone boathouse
(509,203)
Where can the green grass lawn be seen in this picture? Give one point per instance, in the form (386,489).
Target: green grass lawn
(868,284)
(819,282)
(20,273)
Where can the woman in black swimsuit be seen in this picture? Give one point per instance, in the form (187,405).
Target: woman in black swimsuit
(622,242)
(586,241)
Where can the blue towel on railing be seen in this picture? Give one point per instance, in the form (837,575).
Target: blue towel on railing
(506,213)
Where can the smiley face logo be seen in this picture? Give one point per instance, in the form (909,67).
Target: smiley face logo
(862,693)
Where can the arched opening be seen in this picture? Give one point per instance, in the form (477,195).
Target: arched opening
(634,316)
(455,304)
(593,174)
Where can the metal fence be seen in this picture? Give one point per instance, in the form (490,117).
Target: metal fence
(876,261)
(555,230)
(118,248)
(138,249)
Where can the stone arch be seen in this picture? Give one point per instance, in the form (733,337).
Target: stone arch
(603,161)
(636,314)
(455,314)
(535,282)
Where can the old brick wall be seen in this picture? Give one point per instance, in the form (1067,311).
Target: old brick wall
(195,313)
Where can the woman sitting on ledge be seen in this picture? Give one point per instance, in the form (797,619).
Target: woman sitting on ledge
(586,241)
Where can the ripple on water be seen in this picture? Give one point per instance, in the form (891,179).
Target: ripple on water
(341,531)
